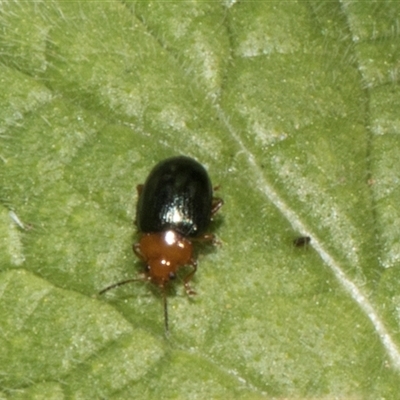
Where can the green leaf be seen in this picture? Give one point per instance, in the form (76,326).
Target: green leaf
(293,109)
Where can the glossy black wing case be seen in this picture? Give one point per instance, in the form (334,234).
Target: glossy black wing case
(177,195)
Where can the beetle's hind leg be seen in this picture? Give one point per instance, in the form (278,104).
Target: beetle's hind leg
(188,278)
(216,204)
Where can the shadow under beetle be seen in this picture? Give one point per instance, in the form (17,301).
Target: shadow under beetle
(174,208)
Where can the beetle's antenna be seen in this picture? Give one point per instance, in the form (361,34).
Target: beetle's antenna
(119,284)
(164,295)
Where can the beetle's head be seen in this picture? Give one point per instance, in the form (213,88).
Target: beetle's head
(160,271)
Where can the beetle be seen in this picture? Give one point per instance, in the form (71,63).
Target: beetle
(174,209)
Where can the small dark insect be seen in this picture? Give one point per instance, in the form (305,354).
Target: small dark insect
(175,207)
(302,241)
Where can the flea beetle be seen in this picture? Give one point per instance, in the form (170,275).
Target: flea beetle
(174,209)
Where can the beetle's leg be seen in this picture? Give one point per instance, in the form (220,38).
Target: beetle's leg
(139,189)
(138,252)
(142,257)
(188,289)
(216,204)
(207,237)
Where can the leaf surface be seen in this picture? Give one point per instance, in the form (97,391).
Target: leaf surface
(293,109)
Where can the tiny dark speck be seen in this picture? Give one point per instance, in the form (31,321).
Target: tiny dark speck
(302,241)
